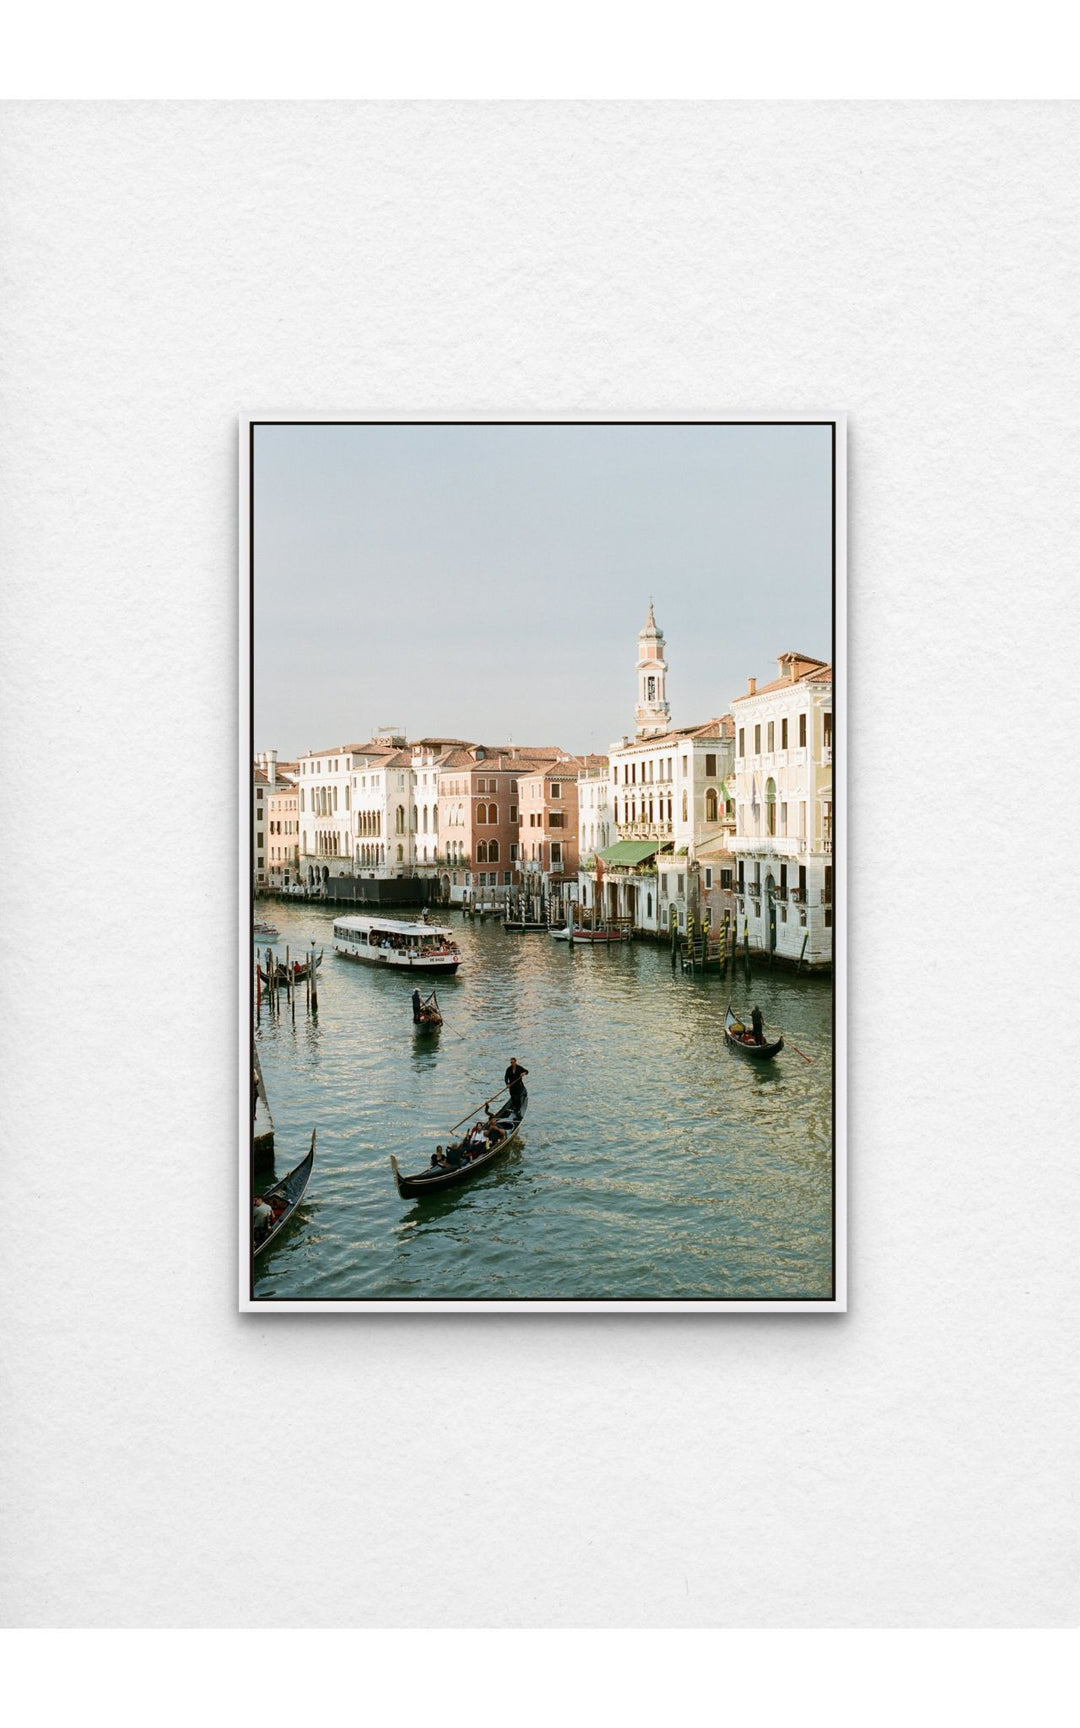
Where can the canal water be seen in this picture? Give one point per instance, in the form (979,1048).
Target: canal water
(655,1163)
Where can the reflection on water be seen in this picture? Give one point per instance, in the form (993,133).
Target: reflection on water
(654,1163)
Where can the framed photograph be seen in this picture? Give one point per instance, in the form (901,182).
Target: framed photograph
(542,863)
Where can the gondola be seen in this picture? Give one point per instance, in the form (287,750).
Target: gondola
(738,1035)
(279,972)
(426,1013)
(291,1189)
(434,1179)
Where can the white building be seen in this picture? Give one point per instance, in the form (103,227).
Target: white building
(783,794)
(325,788)
(371,809)
(596,823)
(382,810)
(669,795)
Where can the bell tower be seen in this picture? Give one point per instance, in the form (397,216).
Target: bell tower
(653,712)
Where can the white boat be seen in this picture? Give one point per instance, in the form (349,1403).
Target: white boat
(405,943)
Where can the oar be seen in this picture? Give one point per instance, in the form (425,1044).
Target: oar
(476,1109)
(798,1052)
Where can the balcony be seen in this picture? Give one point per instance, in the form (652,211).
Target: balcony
(768,845)
(645,830)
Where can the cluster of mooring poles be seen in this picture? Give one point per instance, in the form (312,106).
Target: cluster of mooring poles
(700,951)
(271,978)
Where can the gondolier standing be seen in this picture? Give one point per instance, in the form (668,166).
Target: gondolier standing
(514,1078)
(759,1026)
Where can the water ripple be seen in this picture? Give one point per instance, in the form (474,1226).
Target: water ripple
(654,1162)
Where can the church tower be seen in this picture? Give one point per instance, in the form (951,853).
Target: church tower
(653,713)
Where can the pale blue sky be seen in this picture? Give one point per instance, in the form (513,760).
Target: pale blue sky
(488,582)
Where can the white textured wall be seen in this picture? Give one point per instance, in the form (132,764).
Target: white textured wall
(165,267)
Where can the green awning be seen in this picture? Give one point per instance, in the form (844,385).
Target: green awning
(630,852)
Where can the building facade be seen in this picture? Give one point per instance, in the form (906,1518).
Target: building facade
(281,803)
(260,784)
(784,794)
(548,821)
(596,827)
(324,794)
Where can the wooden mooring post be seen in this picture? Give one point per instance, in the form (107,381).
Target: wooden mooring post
(314,980)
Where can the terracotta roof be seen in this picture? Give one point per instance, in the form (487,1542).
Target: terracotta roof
(340,750)
(709,729)
(821,674)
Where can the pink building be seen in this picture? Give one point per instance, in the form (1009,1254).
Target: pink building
(479,814)
(548,817)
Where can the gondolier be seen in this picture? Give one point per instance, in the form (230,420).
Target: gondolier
(758,1025)
(514,1080)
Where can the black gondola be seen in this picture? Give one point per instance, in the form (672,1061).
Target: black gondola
(291,1190)
(435,1178)
(426,1013)
(280,974)
(742,1039)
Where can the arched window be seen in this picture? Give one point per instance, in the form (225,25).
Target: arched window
(400,854)
(684,806)
(651,689)
(493,852)
(425,818)
(481,851)
(481,814)
(648,905)
(710,805)
(400,822)
(770,806)
(493,812)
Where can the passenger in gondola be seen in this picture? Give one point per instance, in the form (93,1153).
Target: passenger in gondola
(417,1008)
(263,1216)
(758,1025)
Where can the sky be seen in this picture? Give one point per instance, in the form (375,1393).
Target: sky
(488,582)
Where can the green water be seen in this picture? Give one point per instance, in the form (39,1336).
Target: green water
(654,1162)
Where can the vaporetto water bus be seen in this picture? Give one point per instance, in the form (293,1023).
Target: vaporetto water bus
(402,942)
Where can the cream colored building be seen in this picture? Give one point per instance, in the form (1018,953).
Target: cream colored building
(784,800)
(670,796)
(324,788)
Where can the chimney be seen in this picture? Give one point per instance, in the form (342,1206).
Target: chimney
(271,767)
(753,687)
